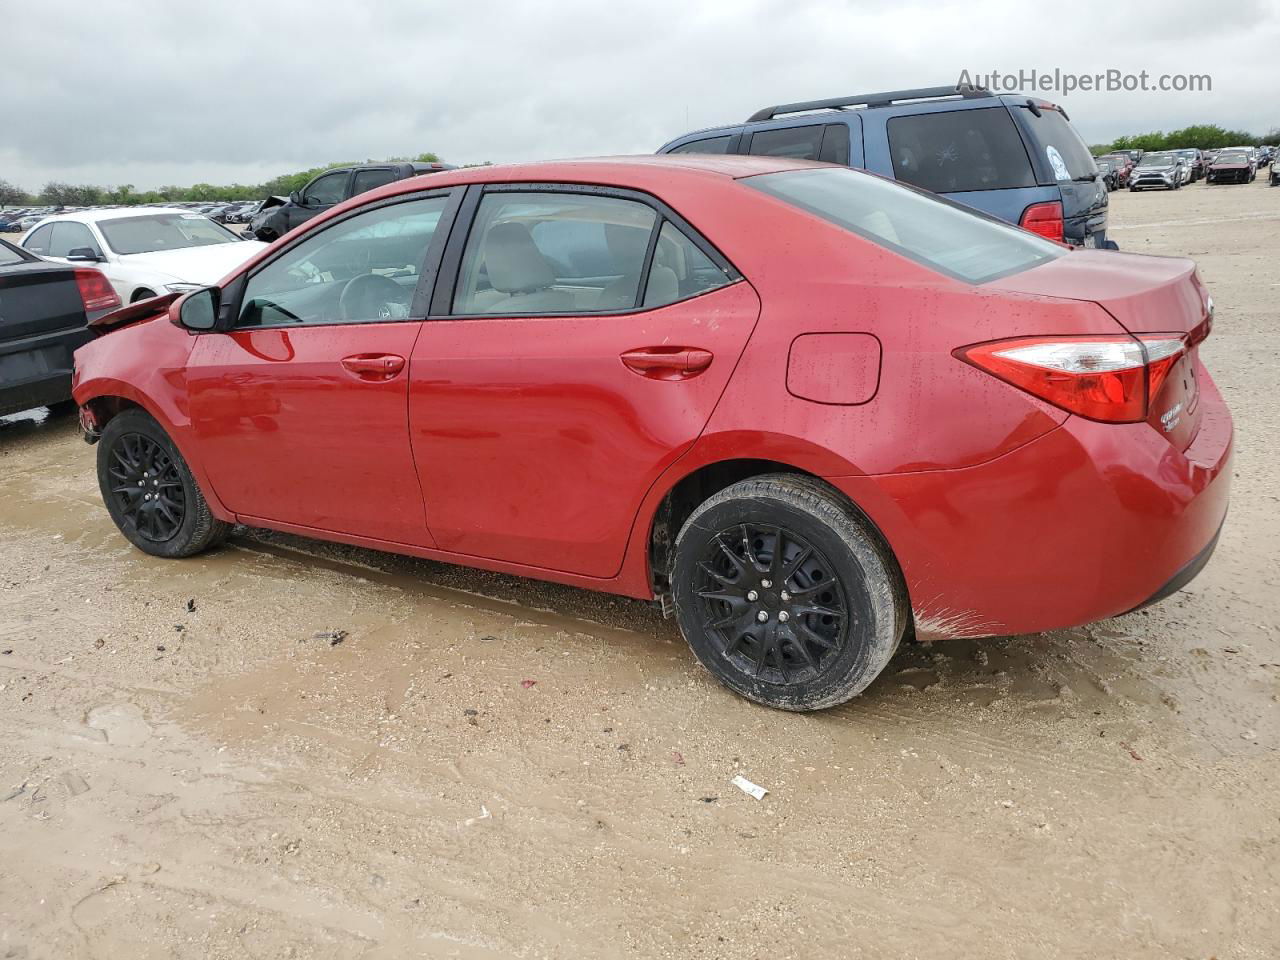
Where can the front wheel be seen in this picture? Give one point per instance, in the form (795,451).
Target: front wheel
(150,491)
(785,593)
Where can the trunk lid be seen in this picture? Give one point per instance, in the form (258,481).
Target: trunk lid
(38,298)
(1147,296)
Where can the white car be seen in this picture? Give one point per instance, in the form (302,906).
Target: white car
(145,252)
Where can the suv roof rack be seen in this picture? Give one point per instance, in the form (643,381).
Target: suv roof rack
(871,100)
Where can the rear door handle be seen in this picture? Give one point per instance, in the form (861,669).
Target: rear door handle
(668,363)
(374,366)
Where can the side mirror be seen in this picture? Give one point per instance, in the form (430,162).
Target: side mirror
(84,254)
(295,197)
(199,310)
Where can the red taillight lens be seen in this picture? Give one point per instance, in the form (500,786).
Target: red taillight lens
(96,290)
(1111,379)
(1044,219)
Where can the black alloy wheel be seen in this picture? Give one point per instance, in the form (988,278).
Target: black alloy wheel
(147,487)
(772,600)
(786,593)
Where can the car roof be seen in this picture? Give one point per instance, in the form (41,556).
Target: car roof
(646,172)
(95,216)
(929,100)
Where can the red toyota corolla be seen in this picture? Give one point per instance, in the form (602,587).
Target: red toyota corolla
(806,408)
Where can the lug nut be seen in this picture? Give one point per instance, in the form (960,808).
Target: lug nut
(752,596)
(785,595)
(766,584)
(762,616)
(783,616)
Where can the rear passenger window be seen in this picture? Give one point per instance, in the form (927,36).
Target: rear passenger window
(368,179)
(801,143)
(8,255)
(710,145)
(680,270)
(959,150)
(555,253)
(38,242)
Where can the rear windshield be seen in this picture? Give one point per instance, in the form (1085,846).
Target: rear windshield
(958,151)
(162,231)
(1068,156)
(941,235)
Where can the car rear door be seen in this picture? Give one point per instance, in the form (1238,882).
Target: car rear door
(301,407)
(579,340)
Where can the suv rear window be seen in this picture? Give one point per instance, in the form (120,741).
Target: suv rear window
(1052,132)
(959,150)
(944,236)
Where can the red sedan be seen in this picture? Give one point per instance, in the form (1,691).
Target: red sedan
(808,409)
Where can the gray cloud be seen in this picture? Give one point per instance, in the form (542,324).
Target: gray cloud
(157,91)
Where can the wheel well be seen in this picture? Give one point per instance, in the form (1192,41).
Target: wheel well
(106,408)
(685,497)
(682,499)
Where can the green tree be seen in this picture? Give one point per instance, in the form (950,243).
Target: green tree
(11,195)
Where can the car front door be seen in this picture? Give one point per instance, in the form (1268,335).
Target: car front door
(319,195)
(579,341)
(301,408)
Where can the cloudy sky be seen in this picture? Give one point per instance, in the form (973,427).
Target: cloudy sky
(150,92)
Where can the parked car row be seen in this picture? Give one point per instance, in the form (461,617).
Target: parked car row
(1172,169)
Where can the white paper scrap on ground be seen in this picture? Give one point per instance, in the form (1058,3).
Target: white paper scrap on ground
(746,786)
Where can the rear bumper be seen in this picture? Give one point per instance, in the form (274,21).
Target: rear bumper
(36,371)
(1087,522)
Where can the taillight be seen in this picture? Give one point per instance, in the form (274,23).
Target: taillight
(1044,219)
(96,290)
(1112,379)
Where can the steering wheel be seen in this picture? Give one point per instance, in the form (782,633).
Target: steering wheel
(372,296)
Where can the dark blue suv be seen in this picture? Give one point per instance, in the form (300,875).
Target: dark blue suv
(1013,157)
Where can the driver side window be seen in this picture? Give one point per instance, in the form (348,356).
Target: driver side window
(327,190)
(363,269)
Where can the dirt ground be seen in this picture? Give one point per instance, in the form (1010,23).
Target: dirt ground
(490,767)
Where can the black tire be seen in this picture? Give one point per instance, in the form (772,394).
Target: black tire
(142,294)
(832,597)
(134,449)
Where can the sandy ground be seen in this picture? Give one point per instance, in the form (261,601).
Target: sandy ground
(189,771)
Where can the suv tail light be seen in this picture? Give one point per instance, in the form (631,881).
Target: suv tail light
(1044,219)
(1111,379)
(96,290)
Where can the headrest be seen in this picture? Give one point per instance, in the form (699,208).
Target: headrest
(514,262)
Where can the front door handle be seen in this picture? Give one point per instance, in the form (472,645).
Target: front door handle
(374,366)
(668,363)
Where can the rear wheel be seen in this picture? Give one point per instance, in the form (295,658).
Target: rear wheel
(150,491)
(785,594)
(141,294)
